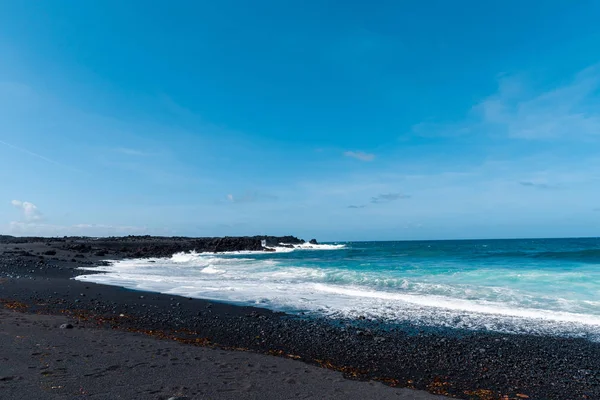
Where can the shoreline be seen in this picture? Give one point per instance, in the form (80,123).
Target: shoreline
(472,365)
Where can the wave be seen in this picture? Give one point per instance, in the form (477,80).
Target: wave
(211,270)
(453,304)
(338,292)
(310,246)
(282,248)
(588,255)
(577,255)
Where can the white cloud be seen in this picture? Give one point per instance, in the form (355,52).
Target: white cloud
(570,110)
(30,211)
(566,110)
(359,155)
(32,225)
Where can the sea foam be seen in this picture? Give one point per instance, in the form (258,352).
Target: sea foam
(311,284)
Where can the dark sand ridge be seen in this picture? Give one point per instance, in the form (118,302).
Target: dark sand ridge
(464,365)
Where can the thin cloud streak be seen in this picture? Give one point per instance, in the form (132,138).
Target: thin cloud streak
(388,197)
(31,153)
(382,199)
(250,197)
(131,152)
(359,155)
(34,228)
(536,185)
(41,157)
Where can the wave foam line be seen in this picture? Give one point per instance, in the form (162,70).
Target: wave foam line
(465,305)
(342,293)
(284,248)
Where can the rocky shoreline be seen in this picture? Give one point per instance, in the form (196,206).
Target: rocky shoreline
(145,246)
(36,277)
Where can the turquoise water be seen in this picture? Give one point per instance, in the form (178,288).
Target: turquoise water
(532,286)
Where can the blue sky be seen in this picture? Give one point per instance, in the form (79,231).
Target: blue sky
(336,120)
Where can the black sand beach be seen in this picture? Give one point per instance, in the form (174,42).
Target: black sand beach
(36,287)
(42,361)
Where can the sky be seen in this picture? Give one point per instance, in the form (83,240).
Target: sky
(339,120)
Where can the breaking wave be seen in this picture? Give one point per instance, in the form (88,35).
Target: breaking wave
(346,285)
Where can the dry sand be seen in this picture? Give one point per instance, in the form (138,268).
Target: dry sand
(39,360)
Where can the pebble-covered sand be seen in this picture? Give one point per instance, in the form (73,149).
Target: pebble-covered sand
(469,365)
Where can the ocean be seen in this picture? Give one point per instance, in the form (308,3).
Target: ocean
(533,286)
